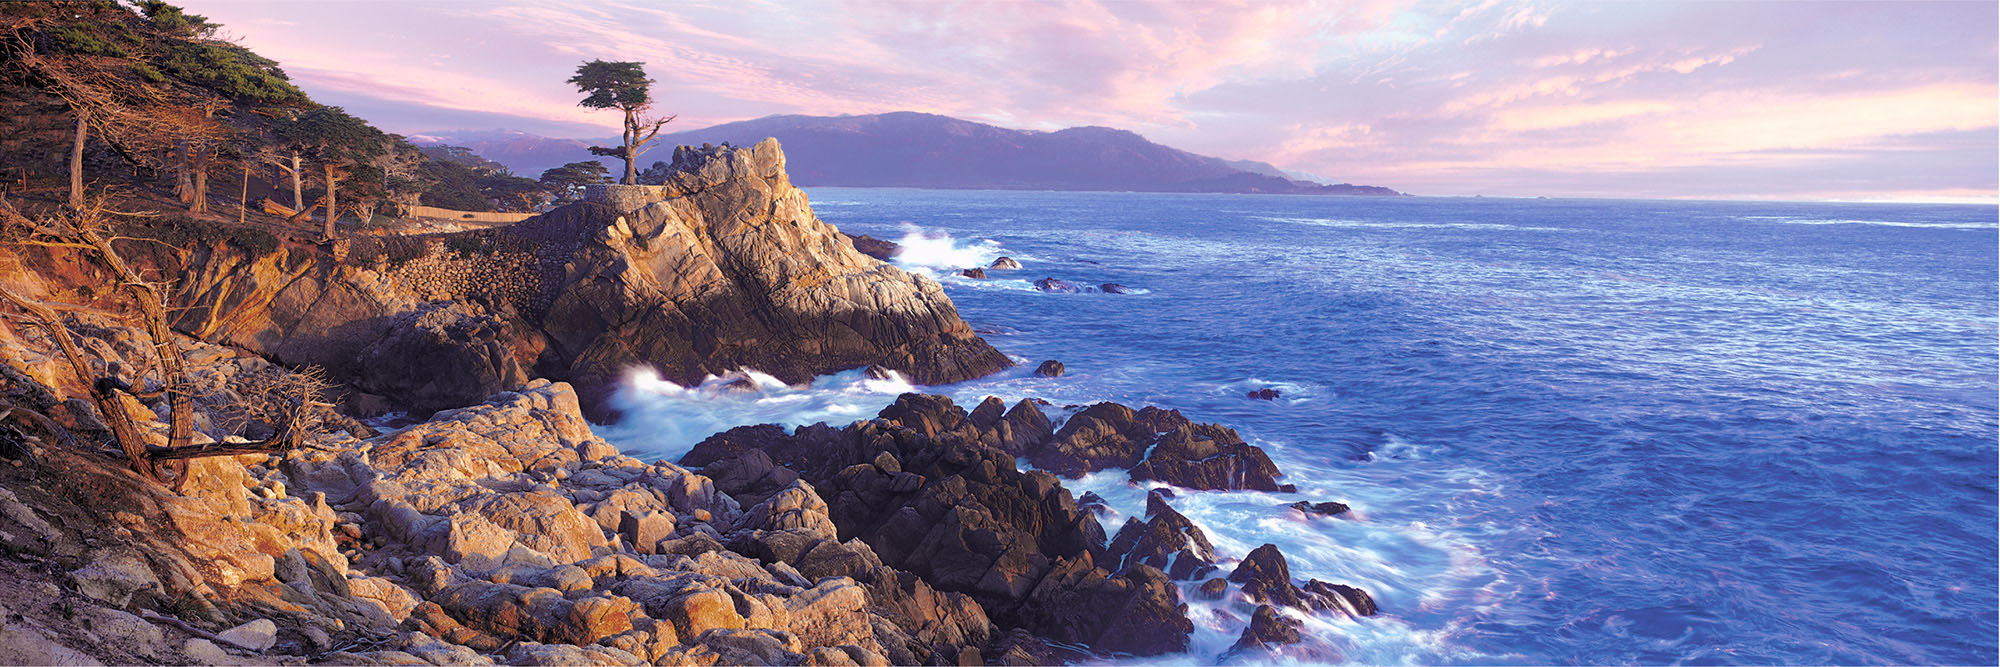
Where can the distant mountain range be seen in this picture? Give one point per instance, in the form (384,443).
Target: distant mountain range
(917,150)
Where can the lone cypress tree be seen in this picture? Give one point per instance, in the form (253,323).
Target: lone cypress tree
(622,86)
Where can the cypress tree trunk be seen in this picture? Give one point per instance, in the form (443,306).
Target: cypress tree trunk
(243,202)
(183,175)
(76,163)
(332,211)
(298,190)
(199,203)
(631,136)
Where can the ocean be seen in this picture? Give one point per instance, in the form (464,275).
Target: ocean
(1572,431)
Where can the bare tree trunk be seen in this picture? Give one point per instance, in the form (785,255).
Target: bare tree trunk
(109,407)
(298,189)
(631,156)
(183,175)
(243,202)
(173,369)
(200,195)
(332,212)
(76,163)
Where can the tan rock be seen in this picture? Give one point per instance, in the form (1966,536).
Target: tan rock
(701,611)
(394,600)
(833,613)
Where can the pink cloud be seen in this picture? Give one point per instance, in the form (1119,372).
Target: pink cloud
(1428,96)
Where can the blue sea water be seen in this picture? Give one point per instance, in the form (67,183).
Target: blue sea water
(1572,431)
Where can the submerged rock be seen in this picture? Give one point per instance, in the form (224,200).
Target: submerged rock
(1049,369)
(1053,285)
(1265,394)
(974,273)
(1353,601)
(1322,509)
(1005,264)
(1115,288)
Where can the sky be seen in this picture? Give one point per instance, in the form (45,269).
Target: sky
(1855,101)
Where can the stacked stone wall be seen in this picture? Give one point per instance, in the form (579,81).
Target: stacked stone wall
(496,266)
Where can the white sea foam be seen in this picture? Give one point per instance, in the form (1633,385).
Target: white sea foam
(938,251)
(1417,573)
(664,420)
(1795,220)
(1422,575)
(1289,393)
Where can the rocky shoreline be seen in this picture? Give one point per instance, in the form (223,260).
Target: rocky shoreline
(506,531)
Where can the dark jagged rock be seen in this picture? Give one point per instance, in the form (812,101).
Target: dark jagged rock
(988,414)
(1268,628)
(1353,601)
(1267,578)
(1139,612)
(1265,394)
(1049,369)
(1115,288)
(1182,453)
(1053,285)
(974,273)
(1322,509)
(1005,264)
(1093,503)
(927,488)
(750,477)
(1024,428)
(874,247)
(1207,457)
(1165,540)
(1212,589)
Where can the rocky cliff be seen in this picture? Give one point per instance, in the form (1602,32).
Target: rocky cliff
(723,267)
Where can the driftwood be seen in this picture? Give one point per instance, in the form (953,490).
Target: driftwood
(80,232)
(109,407)
(198,632)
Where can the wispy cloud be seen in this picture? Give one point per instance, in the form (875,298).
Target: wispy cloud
(1503,97)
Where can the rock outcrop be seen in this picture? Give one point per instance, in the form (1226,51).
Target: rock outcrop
(723,267)
(930,490)
(874,247)
(1267,579)
(1165,540)
(1156,444)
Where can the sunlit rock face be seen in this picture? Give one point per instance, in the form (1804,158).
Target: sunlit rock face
(722,267)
